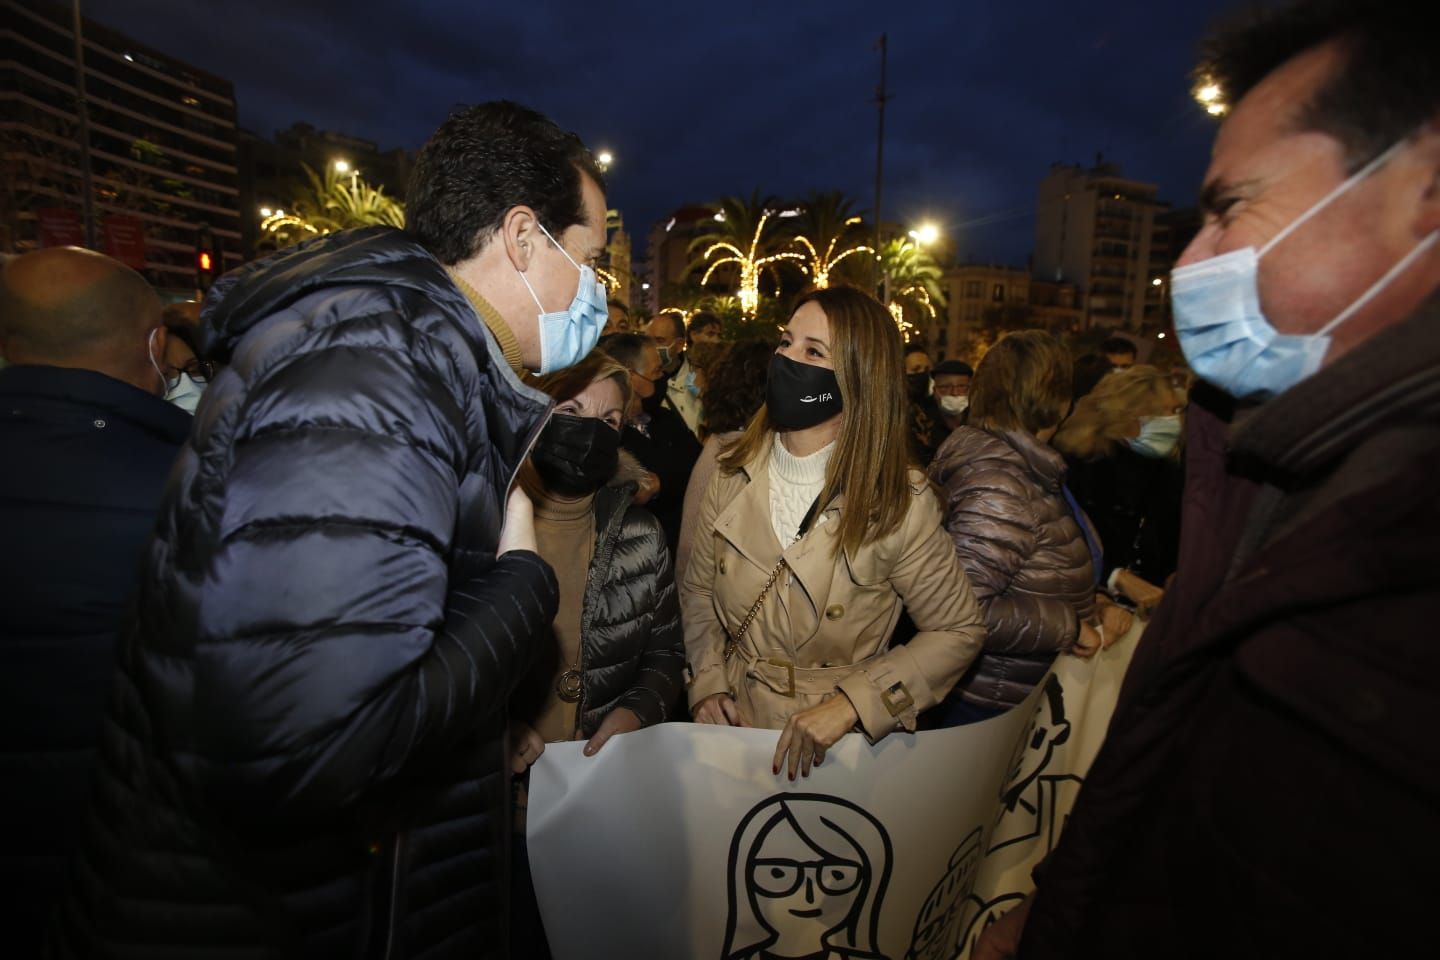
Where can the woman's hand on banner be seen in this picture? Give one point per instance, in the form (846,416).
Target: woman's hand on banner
(719,709)
(619,720)
(1115,620)
(525,746)
(809,733)
(1091,638)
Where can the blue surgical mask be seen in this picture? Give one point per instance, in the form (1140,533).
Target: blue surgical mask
(566,336)
(1158,436)
(184,392)
(1222,330)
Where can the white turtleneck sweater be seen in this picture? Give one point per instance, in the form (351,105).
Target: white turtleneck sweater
(795,482)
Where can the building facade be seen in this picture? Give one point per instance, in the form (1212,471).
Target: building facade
(1101,231)
(161,145)
(984,300)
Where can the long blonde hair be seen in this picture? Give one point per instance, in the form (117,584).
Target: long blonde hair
(870,465)
(1106,416)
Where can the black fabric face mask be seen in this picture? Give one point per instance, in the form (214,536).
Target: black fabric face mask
(918,386)
(800,395)
(576,455)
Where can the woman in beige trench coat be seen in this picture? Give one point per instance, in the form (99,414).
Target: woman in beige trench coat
(811,537)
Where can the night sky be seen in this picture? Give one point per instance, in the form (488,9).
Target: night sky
(697,101)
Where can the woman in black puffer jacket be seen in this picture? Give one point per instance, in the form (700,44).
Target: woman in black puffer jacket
(615,653)
(1029,559)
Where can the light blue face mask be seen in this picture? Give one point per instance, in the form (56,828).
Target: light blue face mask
(1158,436)
(185,393)
(566,336)
(1222,330)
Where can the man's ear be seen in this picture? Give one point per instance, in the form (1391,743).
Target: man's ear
(157,342)
(520,232)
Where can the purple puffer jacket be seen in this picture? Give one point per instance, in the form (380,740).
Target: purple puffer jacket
(1023,551)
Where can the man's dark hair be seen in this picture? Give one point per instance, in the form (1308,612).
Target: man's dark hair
(626,348)
(677,324)
(702,321)
(486,159)
(1388,85)
(1118,345)
(916,346)
(954,368)
(1090,369)
(735,386)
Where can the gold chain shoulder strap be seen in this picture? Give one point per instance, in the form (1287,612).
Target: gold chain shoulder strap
(734,641)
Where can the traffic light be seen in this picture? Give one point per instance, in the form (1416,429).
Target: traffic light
(206,259)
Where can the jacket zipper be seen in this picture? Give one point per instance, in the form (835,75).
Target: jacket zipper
(530,442)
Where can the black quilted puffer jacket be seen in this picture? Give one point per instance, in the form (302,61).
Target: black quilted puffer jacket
(1023,551)
(632,646)
(304,753)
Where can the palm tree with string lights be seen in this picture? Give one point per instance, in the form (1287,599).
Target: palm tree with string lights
(829,232)
(910,277)
(738,237)
(330,203)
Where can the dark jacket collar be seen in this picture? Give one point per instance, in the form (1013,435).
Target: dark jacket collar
(1392,378)
(104,396)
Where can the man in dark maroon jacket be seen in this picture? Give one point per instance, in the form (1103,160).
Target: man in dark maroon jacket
(1270,785)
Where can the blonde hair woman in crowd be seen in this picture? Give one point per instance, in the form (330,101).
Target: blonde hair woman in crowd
(1123,445)
(812,536)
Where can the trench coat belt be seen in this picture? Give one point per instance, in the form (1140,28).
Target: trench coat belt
(786,679)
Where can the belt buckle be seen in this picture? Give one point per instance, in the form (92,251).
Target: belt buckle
(790,671)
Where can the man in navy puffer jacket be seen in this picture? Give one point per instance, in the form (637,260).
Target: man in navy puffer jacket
(304,752)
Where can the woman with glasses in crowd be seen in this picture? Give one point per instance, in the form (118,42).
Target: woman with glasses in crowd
(812,536)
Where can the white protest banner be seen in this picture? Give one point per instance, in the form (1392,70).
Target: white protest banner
(1065,732)
(678,842)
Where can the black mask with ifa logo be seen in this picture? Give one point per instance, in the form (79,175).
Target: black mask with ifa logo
(800,395)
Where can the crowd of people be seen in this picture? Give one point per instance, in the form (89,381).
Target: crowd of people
(301,584)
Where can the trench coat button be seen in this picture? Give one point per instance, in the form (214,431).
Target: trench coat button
(722,566)
(835,611)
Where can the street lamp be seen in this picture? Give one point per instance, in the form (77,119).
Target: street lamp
(1209,95)
(604,159)
(925,234)
(343,167)
(265,211)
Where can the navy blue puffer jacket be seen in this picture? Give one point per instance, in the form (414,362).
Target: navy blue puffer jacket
(304,752)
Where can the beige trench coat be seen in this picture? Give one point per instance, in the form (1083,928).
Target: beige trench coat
(826,623)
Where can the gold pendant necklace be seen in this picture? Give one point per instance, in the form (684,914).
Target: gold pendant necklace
(568,686)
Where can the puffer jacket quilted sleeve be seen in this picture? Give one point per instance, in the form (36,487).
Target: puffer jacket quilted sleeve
(335,647)
(634,648)
(1023,551)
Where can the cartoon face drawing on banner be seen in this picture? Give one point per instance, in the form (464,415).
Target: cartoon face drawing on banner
(1047,731)
(938,924)
(807,879)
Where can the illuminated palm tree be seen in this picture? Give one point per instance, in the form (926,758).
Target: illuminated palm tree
(737,236)
(333,202)
(911,277)
(829,233)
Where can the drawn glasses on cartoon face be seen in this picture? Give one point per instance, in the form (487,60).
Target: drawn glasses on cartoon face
(781,878)
(808,874)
